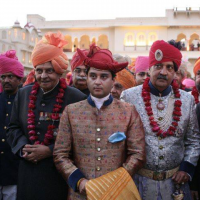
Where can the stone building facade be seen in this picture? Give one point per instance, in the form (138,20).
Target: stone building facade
(126,36)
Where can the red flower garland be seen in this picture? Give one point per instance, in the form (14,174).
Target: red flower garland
(182,87)
(54,116)
(195,93)
(176,113)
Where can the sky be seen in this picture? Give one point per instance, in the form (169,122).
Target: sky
(12,10)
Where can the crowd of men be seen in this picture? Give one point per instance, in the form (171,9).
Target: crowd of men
(105,132)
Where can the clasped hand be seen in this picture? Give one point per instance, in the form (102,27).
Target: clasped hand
(35,153)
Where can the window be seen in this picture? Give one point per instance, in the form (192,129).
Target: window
(15,33)
(4,35)
(23,56)
(23,36)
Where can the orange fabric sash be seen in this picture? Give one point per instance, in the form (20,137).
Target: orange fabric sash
(116,185)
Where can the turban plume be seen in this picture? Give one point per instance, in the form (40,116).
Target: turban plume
(50,48)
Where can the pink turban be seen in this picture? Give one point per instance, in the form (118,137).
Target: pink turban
(76,60)
(189,83)
(141,64)
(9,63)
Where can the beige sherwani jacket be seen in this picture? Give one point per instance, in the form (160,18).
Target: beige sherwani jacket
(82,143)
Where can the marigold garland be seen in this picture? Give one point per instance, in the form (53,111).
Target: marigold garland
(195,93)
(54,116)
(176,113)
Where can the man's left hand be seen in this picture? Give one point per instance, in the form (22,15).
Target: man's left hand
(180,177)
(36,153)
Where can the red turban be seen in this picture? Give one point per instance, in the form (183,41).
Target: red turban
(162,51)
(196,66)
(9,63)
(125,78)
(101,59)
(50,48)
(76,60)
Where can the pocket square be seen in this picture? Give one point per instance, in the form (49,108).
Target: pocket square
(117,137)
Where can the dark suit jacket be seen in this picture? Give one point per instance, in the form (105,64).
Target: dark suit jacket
(8,161)
(41,181)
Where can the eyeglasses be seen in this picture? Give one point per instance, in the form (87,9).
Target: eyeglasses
(78,70)
(10,77)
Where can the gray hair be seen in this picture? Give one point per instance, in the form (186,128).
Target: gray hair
(120,59)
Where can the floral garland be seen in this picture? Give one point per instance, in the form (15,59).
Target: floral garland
(182,87)
(195,93)
(54,116)
(176,113)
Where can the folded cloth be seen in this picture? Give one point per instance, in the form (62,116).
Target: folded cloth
(117,137)
(115,185)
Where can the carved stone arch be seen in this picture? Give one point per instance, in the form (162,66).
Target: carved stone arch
(194,42)
(141,39)
(103,42)
(152,37)
(129,39)
(85,42)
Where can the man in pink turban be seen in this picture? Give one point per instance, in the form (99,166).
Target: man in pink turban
(79,77)
(141,69)
(35,119)
(11,74)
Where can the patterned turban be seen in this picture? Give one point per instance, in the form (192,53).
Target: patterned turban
(9,63)
(101,59)
(142,64)
(76,60)
(196,66)
(50,48)
(125,78)
(162,51)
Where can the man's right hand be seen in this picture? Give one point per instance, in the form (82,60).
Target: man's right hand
(82,185)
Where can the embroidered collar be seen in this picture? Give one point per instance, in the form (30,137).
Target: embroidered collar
(156,92)
(106,103)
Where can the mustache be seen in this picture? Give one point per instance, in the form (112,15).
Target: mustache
(162,77)
(81,78)
(7,84)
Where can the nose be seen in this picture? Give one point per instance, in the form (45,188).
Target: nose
(163,70)
(145,76)
(44,74)
(82,73)
(113,90)
(6,79)
(98,81)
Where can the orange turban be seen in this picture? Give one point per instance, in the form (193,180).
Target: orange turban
(196,66)
(50,48)
(125,78)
